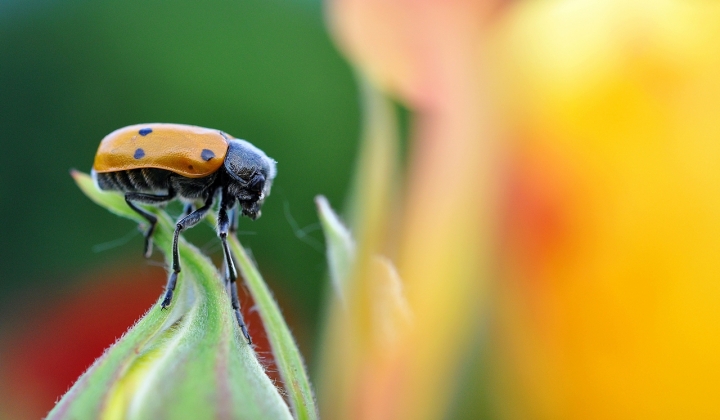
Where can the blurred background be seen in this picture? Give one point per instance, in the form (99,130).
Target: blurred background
(72,277)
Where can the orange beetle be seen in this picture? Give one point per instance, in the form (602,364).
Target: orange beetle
(155,163)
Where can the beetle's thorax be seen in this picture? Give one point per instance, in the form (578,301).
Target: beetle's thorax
(248,176)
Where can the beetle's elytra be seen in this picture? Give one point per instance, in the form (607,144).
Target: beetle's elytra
(156,163)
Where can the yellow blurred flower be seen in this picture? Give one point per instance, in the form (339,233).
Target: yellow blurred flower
(609,304)
(566,153)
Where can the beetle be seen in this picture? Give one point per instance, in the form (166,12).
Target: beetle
(156,163)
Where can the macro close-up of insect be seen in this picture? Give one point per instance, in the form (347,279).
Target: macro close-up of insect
(157,163)
(485,210)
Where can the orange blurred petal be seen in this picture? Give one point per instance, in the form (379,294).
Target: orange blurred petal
(429,54)
(405,46)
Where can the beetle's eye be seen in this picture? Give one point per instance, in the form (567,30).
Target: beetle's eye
(256,184)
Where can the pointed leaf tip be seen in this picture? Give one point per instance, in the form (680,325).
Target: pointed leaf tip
(340,246)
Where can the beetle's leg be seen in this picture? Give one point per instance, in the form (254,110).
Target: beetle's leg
(234,216)
(186,222)
(226,276)
(152,220)
(230,273)
(187,209)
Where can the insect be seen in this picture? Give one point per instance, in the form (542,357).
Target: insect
(156,163)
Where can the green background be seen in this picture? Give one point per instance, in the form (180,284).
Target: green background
(73,71)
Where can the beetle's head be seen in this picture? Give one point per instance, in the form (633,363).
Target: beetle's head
(251,174)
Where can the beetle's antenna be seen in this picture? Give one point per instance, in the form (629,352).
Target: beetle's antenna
(98,248)
(302,234)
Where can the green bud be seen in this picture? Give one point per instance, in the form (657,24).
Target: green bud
(188,362)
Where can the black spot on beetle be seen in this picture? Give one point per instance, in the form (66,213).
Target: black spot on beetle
(207,154)
(139,153)
(145,131)
(190,167)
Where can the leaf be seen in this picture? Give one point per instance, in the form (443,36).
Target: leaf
(339,244)
(356,330)
(190,361)
(287,356)
(389,312)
